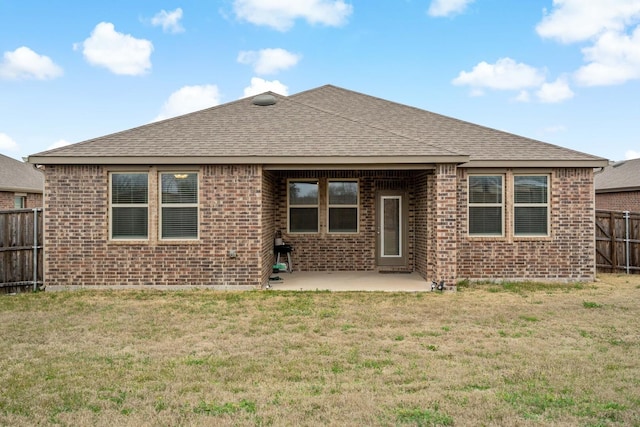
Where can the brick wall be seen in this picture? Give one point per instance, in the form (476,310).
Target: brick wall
(619,201)
(445,220)
(269,211)
(568,254)
(34,200)
(79,252)
(241,207)
(345,252)
(423,234)
(7,200)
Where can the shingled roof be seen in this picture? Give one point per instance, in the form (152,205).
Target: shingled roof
(16,176)
(326,125)
(620,176)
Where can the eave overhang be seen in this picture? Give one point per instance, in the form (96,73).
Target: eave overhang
(616,190)
(587,163)
(268,161)
(22,190)
(317,162)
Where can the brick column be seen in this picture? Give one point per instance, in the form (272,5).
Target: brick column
(445,211)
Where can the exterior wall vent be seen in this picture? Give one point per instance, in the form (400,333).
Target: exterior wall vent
(264,100)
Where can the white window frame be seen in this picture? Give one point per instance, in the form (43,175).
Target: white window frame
(534,205)
(23,200)
(289,206)
(127,205)
(356,206)
(486,205)
(400,199)
(162,205)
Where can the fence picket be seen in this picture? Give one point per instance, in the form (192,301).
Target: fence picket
(617,246)
(21,249)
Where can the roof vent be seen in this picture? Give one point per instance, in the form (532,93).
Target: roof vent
(264,99)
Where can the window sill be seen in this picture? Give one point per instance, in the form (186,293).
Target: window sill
(154,242)
(128,242)
(169,242)
(530,238)
(510,239)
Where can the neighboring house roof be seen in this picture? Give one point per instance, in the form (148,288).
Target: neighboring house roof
(620,176)
(326,125)
(19,177)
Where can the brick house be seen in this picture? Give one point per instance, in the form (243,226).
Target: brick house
(21,185)
(352,182)
(618,186)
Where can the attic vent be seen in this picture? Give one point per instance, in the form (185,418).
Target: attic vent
(264,99)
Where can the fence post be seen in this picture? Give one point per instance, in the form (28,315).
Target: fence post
(627,238)
(35,249)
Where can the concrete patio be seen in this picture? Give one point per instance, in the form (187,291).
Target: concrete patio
(354,281)
(350,281)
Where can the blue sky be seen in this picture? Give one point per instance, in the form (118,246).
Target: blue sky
(565,72)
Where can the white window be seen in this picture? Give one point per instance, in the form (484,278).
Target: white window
(303,206)
(178,205)
(531,205)
(486,205)
(20,201)
(129,205)
(343,206)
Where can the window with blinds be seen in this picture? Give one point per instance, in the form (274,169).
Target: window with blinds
(179,205)
(531,205)
(486,205)
(303,206)
(129,205)
(343,206)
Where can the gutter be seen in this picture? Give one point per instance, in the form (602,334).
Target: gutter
(247,160)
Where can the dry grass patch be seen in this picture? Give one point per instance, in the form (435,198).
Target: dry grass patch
(513,354)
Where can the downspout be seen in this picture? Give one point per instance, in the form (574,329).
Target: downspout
(35,249)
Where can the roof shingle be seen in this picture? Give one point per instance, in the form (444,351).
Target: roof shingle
(620,176)
(19,177)
(323,123)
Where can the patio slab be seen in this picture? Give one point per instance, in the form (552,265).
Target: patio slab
(350,281)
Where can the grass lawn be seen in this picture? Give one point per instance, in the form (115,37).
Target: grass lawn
(515,354)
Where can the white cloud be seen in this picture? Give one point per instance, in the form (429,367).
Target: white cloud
(268,61)
(505,74)
(555,92)
(188,99)
(447,7)
(632,154)
(259,85)
(7,143)
(169,21)
(281,14)
(613,59)
(523,96)
(119,53)
(572,20)
(613,56)
(59,143)
(24,63)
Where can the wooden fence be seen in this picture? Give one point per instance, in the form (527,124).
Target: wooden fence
(21,247)
(618,242)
